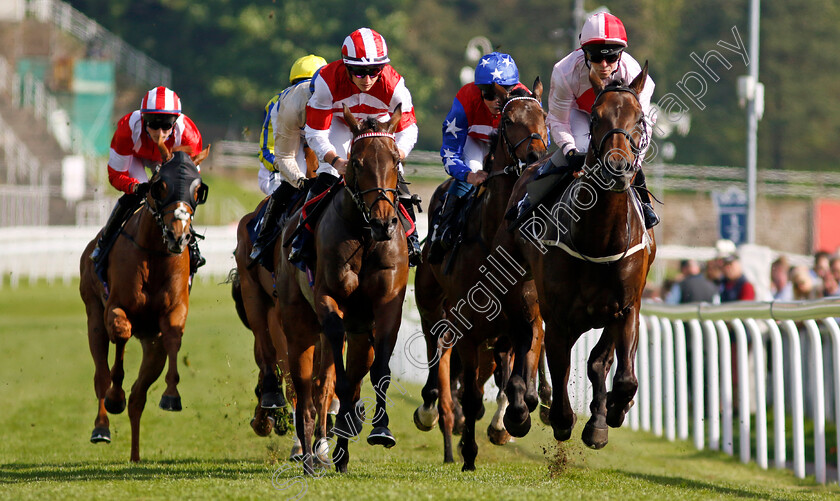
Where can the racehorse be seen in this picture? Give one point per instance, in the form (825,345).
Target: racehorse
(255,301)
(456,307)
(358,286)
(145,294)
(590,253)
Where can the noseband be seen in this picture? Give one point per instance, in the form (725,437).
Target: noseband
(635,147)
(358,195)
(517,168)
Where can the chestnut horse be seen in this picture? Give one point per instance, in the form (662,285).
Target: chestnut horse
(147,295)
(590,253)
(256,304)
(359,284)
(457,309)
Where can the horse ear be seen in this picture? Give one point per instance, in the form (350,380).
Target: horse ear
(501,92)
(201,155)
(597,84)
(396,116)
(165,154)
(538,89)
(351,121)
(638,83)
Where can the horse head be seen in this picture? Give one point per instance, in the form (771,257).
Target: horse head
(175,191)
(617,130)
(373,172)
(522,126)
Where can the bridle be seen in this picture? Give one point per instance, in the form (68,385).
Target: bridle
(358,195)
(517,168)
(636,147)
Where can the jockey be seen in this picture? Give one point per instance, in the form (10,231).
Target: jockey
(281,147)
(603,40)
(364,81)
(466,139)
(133,148)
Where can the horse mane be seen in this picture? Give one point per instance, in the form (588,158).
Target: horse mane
(520,92)
(616,82)
(371,124)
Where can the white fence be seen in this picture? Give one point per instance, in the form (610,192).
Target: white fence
(673,339)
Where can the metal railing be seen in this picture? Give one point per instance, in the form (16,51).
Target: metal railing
(700,336)
(128,59)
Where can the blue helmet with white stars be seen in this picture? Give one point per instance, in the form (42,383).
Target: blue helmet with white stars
(496,67)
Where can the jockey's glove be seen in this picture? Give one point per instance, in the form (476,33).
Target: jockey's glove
(140,189)
(575,159)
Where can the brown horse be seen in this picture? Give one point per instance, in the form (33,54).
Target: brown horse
(147,295)
(460,308)
(359,284)
(256,304)
(590,254)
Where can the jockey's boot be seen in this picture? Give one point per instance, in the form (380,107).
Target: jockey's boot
(275,207)
(408,201)
(196,259)
(301,251)
(442,237)
(651,219)
(124,207)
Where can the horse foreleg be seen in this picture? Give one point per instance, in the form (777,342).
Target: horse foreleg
(325,393)
(558,349)
(471,401)
(99,344)
(426,415)
(595,433)
(500,363)
(544,386)
(171,336)
(115,396)
(154,358)
(445,403)
(301,354)
(525,336)
(625,384)
(380,376)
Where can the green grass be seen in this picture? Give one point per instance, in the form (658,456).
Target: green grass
(208,451)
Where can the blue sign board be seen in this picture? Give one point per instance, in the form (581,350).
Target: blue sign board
(732,214)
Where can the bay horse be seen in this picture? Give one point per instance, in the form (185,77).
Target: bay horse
(255,299)
(590,253)
(458,308)
(357,291)
(146,296)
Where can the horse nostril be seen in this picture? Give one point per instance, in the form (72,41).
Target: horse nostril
(394,221)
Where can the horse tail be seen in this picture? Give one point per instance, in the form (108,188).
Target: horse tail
(236,292)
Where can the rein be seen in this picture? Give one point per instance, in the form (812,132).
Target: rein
(517,168)
(358,195)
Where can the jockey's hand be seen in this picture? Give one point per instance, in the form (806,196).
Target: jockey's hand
(140,189)
(575,159)
(476,178)
(341,165)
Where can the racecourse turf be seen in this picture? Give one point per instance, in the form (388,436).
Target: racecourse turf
(208,451)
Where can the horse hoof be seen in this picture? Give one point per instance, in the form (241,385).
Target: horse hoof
(168,403)
(272,401)
(381,436)
(114,406)
(425,420)
(615,415)
(518,429)
(544,410)
(297,452)
(468,467)
(264,430)
(347,426)
(497,437)
(100,434)
(594,438)
(321,450)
